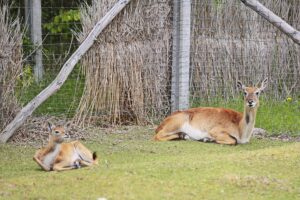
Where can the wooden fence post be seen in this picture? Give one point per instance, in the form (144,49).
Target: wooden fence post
(33,18)
(64,72)
(181,54)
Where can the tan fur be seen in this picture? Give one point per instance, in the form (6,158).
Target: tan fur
(58,155)
(223,126)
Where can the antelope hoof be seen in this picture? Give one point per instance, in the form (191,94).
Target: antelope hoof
(207,139)
(77,165)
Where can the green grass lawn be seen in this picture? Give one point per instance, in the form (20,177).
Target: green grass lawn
(132,166)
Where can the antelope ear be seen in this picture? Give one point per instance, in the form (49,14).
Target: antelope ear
(68,124)
(50,126)
(240,85)
(264,84)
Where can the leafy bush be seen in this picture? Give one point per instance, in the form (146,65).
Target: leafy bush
(63,22)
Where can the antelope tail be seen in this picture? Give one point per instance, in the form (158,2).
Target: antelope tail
(95,155)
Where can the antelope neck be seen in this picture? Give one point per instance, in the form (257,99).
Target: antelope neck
(247,124)
(53,146)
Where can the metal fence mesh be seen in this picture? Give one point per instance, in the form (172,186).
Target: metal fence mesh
(126,71)
(126,76)
(231,42)
(59,20)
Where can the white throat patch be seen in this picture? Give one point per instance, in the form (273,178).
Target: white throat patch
(49,158)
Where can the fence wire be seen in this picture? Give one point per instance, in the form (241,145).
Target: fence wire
(126,76)
(231,42)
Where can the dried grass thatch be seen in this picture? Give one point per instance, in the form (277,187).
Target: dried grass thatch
(10,64)
(35,131)
(127,74)
(128,70)
(232,42)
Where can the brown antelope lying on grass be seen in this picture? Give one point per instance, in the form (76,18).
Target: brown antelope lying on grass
(59,156)
(220,125)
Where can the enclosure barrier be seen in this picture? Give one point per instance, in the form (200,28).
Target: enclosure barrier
(127,78)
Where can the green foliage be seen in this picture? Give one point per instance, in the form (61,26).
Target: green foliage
(63,102)
(132,166)
(217,3)
(59,32)
(27,78)
(62,22)
(28,46)
(24,81)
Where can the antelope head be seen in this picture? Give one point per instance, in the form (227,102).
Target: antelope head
(57,133)
(251,94)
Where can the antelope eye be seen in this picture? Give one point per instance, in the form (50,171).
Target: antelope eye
(257,93)
(245,93)
(56,132)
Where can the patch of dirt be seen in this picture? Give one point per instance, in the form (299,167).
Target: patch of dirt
(35,131)
(260,133)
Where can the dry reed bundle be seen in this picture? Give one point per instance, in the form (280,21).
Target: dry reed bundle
(35,131)
(232,42)
(10,64)
(128,70)
(127,74)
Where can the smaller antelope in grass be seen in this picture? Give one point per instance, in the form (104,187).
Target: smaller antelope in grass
(58,155)
(220,125)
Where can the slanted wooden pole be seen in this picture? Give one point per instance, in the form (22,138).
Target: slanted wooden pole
(181,55)
(64,72)
(273,19)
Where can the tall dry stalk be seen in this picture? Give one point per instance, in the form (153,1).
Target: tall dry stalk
(10,64)
(128,70)
(127,75)
(232,42)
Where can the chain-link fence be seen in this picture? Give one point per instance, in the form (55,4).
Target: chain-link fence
(59,21)
(126,77)
(231,42)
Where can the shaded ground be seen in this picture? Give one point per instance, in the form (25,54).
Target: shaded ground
(132,166)
(35,132)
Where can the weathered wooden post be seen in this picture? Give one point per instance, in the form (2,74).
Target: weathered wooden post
(33,18)
(181,54)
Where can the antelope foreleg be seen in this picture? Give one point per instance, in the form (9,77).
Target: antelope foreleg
(44,167)
(223,137)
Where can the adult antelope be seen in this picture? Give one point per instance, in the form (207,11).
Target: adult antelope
(220,125)
(58,155)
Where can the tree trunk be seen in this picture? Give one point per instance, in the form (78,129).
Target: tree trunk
(273,19)
(63,74)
